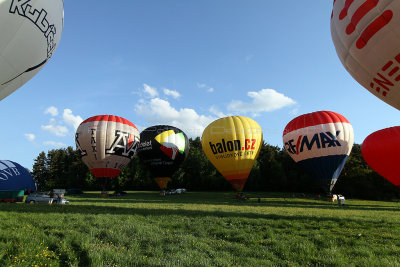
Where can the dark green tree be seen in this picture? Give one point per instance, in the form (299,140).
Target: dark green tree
(40,171)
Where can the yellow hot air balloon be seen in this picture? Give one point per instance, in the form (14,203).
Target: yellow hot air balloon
(232,144)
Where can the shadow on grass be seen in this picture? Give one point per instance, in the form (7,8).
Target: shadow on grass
(264,203)
(45,210)
(94,204)
(223,198)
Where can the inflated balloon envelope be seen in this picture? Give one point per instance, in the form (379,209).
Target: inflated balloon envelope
(163,149)
(320,142)
(30,31)
(232,144)
(381,151)
(107,144)
(366,35)
(13,176)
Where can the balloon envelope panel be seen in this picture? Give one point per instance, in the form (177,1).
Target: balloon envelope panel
(320,142)
(163,148)
(30,32)
(232,144)
(15,177)
(381,151)
(366,35)
(107,144)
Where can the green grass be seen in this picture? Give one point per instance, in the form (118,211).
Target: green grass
(199,229)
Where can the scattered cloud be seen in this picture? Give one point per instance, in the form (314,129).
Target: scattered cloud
(30,137)
(206,87)
(214,110)
(159,111)
(294,112)
(262,101)
(71,119)
(249,57)
(175,94)
(59,127)
(53,111)
(53,128)
(54,144)
(151,91)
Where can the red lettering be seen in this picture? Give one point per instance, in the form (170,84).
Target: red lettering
(360,13)
(373,28)
(390,63)
(298,144)
(343,13)
(383,82)
(247,144)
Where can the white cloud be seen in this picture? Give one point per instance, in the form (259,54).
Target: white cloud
(30,137)
(217,112)
(294,112)
(159,111)
(53,111)
(54,144)
(263,100)
(173,93)
(58,130)
(151,91)
(205,86)
(71,119)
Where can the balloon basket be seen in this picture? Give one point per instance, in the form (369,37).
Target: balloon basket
(241,196)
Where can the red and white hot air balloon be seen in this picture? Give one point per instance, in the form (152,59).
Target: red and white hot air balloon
(320,142)
(381,151)
(366,35)
(107,144)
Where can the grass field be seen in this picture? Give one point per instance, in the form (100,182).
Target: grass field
(199,229)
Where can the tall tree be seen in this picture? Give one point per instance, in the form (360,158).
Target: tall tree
(40,171)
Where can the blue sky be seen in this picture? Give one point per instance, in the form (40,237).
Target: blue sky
(187,63)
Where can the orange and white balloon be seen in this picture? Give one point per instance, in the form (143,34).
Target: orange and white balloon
(366,35)
(107,144)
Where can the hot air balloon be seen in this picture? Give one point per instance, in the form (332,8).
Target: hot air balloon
(30,32)
(107,144)
(163,148)
(232,144)
(15,177)
(381,151)
(320,142)
(365,35)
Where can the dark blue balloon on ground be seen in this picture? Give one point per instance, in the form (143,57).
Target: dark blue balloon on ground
(15,177)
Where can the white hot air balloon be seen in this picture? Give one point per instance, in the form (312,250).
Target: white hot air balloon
(107,144)
(30,31)
(366,35)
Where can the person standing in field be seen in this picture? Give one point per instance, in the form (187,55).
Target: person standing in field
(51,198)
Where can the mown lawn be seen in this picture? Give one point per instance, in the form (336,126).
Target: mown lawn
(199,229)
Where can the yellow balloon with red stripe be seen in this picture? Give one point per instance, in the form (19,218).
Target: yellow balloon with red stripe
(232,144)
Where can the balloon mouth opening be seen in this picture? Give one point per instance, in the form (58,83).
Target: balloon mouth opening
(238,183)
(162,181)
(105,172)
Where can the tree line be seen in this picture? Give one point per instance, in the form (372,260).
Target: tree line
(273,171)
